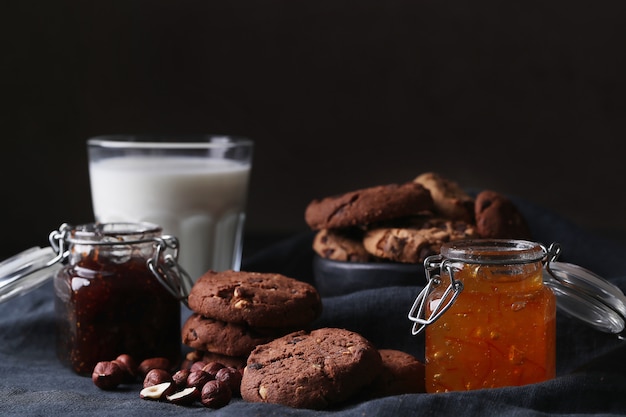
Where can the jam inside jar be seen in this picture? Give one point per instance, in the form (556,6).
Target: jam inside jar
(498,326)
(109,302)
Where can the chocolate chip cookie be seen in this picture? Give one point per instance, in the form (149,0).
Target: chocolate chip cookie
(414,244)
(341,245)
(313,370)
(402,373)
(255,299)
(451,201)
(208,334)
(368,205)
(498,218)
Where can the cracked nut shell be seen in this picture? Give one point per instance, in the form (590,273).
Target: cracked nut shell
(157,392)
(185,396)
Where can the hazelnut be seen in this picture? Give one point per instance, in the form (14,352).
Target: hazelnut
(215,394)
(197,365)
(242,304)
(212,367)
(185,396)
(156,376)
(107,375)
(180,378)
(157,392)
(230,376)
(241,292)
(128,365)
(153,363)
(198,378)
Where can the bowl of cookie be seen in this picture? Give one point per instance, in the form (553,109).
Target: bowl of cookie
(379,236)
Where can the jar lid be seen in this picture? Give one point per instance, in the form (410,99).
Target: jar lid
(587,296)
(579,292)
(493,251)
(26,271)
(33,267)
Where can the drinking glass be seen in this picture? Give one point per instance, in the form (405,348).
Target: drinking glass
(194,186)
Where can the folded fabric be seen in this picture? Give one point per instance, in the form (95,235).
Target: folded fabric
(591,370)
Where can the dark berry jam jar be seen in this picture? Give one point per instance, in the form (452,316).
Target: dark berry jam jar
(112,296)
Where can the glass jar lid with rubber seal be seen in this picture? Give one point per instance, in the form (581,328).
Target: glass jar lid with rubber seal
(35,266)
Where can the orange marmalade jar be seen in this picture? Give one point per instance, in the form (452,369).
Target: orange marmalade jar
(490,320)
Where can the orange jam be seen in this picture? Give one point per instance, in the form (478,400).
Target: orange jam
(501,329)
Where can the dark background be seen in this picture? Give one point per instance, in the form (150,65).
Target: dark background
(523,97)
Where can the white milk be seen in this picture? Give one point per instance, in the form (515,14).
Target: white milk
(199,200)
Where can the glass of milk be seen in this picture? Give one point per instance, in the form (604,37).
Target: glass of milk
(195,187)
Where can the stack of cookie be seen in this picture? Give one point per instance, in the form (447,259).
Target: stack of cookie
(234,311)
(408,222)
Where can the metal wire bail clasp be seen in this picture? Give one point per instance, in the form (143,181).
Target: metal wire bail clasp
(417,314)
(166,269)
(58,242)
(552,254)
